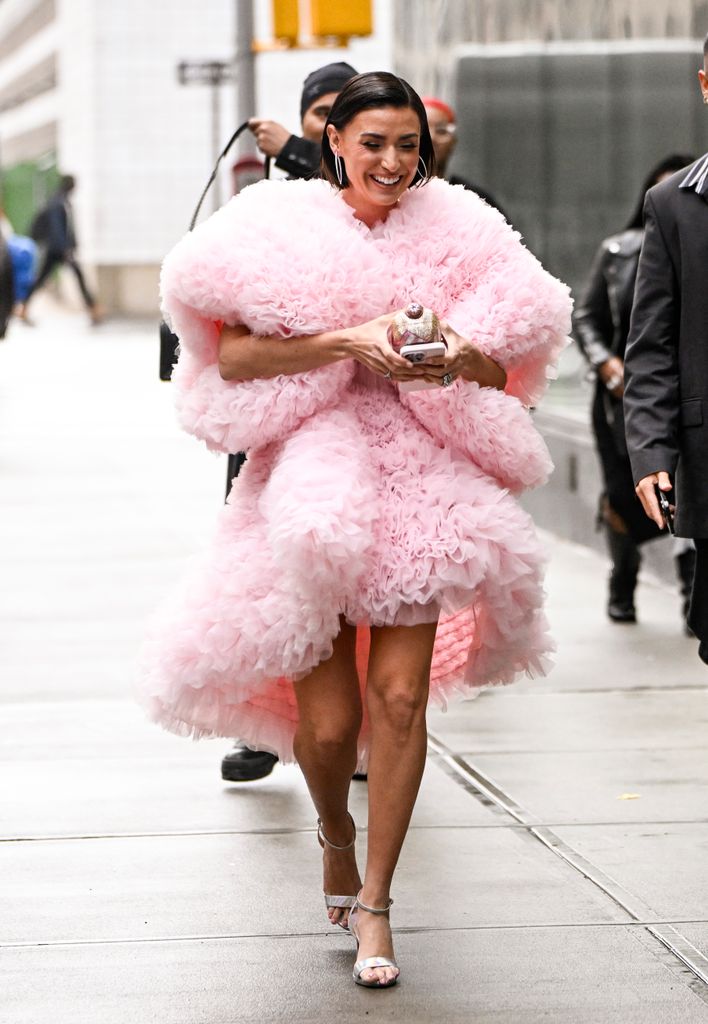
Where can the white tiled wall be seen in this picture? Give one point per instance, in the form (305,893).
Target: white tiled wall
(139,143)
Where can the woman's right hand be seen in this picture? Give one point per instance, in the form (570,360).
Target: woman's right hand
(370,346)
(611,373)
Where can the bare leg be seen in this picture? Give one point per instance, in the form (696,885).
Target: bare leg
(396,697)
(329,706)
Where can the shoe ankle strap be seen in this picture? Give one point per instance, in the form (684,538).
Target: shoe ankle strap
(333,846)
(373,910)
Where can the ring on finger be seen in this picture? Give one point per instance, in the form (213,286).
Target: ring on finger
(447,380)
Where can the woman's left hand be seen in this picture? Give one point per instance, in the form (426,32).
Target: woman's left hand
(463,359)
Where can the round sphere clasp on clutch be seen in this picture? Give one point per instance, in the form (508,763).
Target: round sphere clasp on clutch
(414,325)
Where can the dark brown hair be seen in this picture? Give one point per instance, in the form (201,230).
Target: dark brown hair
(369,92)
(669,165)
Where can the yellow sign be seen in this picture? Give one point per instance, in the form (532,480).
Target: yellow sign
(286,21)
(323,23)
(342,18)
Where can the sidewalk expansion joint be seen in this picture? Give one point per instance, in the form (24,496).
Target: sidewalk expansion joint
(472,826)
(404,930)
(491,795)
(606,690)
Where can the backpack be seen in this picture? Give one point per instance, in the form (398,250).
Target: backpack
(39,228)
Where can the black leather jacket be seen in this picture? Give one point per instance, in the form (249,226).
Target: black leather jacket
(601,318)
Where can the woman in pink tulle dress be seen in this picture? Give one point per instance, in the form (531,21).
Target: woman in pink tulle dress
(371,552)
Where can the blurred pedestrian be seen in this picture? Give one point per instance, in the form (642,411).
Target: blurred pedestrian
(601,326)
(666,364)
(6,228)
(299,155)
(443,131)
(17,275)
(7,288)
(364,505)
(54,231)
(23,253)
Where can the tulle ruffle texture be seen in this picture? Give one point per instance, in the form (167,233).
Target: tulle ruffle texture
(355,501)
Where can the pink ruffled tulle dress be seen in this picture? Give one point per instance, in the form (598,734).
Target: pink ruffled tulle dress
(357,501)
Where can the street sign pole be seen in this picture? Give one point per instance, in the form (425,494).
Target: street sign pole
(245,67)
(213,73)
(216,140)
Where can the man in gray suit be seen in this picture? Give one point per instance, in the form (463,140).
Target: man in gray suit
(666,363)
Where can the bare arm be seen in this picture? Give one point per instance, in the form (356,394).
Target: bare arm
(484,370)
(244,356)
(464,359)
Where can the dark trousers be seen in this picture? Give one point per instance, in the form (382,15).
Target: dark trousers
(51,261)
(233,469)
(698,612)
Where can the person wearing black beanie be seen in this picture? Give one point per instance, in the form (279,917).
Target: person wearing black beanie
(299,156)
(330,79)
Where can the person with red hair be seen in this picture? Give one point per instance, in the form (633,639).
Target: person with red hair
(443,131)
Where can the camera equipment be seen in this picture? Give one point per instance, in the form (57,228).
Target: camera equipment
(169,342)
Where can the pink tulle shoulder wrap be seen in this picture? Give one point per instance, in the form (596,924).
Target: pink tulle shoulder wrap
(289,258)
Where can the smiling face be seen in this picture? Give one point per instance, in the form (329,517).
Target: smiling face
(379,149)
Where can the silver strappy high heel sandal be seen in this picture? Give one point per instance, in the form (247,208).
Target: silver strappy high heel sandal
(337,902)
(370,962)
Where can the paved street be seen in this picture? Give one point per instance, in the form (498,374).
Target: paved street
(557,865)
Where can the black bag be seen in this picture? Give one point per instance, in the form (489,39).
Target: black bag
(169,350)
(169,342)
(7,287)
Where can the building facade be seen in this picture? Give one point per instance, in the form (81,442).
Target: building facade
(563,105)
(90,88)
(428,32)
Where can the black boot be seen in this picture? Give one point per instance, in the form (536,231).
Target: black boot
(623,577)
(244,765)
(685,569)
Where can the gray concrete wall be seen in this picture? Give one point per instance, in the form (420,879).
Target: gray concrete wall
(428,30)
(565,134)
(567,505)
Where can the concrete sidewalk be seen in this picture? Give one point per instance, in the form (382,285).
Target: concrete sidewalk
(557,866)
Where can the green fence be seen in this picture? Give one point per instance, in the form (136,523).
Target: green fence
(25,188)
